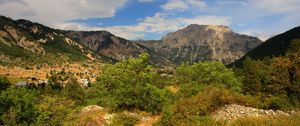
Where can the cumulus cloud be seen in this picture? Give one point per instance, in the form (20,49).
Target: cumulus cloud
(183,4)
(54,11)
(159,23)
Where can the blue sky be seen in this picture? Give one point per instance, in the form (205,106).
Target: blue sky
(152,19)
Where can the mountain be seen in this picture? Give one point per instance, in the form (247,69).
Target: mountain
(203,42)
(105,43)
(23,42)
(276,46)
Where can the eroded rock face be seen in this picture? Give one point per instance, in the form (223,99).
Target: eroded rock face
(232,112)
(204,42)
(107,44)
(12,36)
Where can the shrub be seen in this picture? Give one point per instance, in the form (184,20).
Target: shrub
(18,106)
(275,102)
(193,78)
(130,84)
(55,110)
(190,111)
(4,83)
(74,91)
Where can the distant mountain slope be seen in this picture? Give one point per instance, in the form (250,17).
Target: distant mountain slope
(32,43)
(117,48)
(203,42)
(24,43)
(275,46)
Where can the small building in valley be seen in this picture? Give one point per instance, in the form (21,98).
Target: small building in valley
(21,83)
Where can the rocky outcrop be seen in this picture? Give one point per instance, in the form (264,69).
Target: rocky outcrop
(107,44)
(11,36)
(232,112)
(203,42)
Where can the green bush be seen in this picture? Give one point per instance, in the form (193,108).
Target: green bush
(130,84)
(18,106)
(275,103)
(55,110)
(4,83)
(193,78)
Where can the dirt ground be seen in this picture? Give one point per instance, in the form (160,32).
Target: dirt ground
(18,73)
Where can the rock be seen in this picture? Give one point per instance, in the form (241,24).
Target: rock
(91,108)
(233,111)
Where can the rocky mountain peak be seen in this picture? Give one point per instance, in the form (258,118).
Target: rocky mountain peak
(204,42)
(205,28)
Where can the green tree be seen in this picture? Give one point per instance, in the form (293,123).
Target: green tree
(256,77)
(130,84)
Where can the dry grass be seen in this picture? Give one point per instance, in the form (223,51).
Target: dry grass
(152,120)
(173,89)
(293,120)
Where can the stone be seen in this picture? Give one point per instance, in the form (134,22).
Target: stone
(233,111)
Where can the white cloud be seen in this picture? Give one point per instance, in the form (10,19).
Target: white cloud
(129,32)
(144,1)
(196,3)
(159,23)
(278,6)
(183,4)
(175,4)
(259,34)
(253,14)
(50,12)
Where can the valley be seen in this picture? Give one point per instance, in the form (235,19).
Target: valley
(197,75)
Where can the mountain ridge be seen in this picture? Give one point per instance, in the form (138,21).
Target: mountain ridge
(100,45)
(191,44)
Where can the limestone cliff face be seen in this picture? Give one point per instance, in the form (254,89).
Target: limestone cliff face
(204,42)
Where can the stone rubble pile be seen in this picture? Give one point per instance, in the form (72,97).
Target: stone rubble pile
(233,111)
